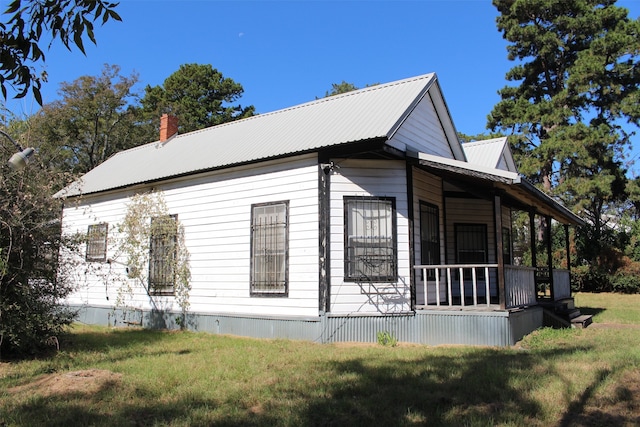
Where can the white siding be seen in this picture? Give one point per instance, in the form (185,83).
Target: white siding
(422,131)
(215,210)
(379,179)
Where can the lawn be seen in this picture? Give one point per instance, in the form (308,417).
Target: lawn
(131,377)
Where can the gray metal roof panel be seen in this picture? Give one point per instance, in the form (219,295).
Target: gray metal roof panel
(486,152)
(354,116)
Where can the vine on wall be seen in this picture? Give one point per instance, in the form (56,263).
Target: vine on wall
(146,217)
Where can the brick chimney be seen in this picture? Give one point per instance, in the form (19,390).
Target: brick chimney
(168,127)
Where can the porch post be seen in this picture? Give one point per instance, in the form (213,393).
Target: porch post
(532,236)
(497,215)
(550,256)
(410,217)
(566,245)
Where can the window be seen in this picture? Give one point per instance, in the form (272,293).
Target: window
(97,243)
(429,237)
(163,254)
(471,246)
(269,249)
(370,239)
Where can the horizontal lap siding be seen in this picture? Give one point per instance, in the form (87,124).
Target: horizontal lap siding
(469,211)
(379,179)
(215,210)
(422,131)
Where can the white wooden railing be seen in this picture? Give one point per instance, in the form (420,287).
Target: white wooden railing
(457,284)
(561,284)
(474,285)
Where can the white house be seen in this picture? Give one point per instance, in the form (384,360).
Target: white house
(327,221)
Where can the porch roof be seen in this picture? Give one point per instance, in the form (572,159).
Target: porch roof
(513,184)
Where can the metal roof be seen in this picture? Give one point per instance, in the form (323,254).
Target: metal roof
(370,113)
(488,152)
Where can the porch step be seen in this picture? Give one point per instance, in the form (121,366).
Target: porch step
(565,304)
(571,314)
(563,314)
(581,321)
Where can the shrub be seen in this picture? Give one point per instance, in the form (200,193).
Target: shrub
(387,339)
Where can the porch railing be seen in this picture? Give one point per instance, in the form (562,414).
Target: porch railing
(474,285)
(519,284)
(561,284)
(458,284)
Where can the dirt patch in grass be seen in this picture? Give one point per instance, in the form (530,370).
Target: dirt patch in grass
(87,381)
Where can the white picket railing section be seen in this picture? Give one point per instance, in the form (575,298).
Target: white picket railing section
(458,284)
(474,285)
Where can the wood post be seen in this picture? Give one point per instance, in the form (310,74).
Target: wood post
(497,214)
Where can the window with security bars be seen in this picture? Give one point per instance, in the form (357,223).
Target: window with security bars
(269,249)
(471,246)
(370,239)
(163,248)
(97,243)
(429,237)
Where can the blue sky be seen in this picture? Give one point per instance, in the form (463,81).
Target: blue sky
(289,52)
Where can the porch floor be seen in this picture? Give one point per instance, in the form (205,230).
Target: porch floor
(447,307)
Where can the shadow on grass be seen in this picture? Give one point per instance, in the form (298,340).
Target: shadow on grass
(110,339)
(485,387)
(460,386)
(591,310)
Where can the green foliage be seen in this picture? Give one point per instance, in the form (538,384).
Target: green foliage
(462,137)
(69,21)
(575,97)
(625,282)
(147,215)
(33,278)
(386,339)
(338,88)
(199,95)
(344,87)
(95,118)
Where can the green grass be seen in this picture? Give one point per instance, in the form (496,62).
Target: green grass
(554,377)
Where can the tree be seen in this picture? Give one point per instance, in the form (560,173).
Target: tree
(344,87)
(199,95)
(578,87)
(338,88)
(32,278)
(29,24)
(96,117)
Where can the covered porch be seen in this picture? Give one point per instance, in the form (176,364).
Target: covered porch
(475,239)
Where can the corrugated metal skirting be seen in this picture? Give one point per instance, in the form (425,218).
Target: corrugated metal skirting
(430,327)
